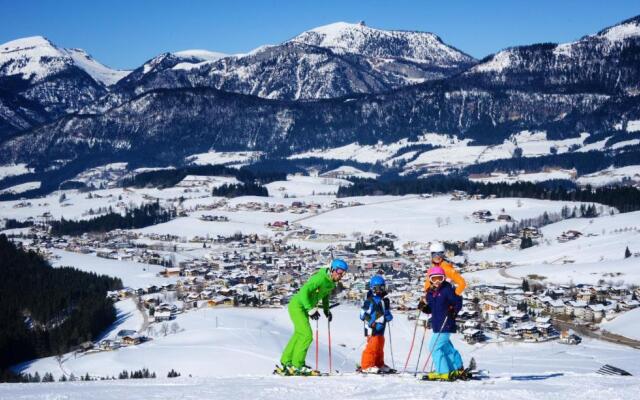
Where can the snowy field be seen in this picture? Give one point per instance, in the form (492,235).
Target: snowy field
(597,254)
(231,352)
(627,324)
(133,274)
(413,218)
(297,186)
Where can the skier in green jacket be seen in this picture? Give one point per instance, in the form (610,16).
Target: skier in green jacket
(303,305)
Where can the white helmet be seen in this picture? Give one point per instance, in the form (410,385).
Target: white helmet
(436,247)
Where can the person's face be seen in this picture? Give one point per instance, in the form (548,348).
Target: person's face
(337,274)
(436,280)
(436,258)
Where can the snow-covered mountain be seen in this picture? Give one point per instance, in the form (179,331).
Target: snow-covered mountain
(326,62)
(360,39)
(36,58)
(606,62)
(60,80)
(178,104)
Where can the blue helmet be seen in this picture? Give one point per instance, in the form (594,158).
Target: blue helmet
(339,263)
(376,280)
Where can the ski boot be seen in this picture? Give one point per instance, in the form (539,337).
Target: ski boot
(385,369)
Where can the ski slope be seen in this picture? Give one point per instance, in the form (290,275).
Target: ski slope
(230,352)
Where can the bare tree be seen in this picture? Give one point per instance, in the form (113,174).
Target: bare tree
(175,328)
(439,221)
(151,332)
(164,329)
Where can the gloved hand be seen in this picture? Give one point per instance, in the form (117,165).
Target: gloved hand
(452,312)
(314,314)
(328,314)
(388,317)
(424,307)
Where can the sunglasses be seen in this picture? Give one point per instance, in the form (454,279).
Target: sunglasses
(436,278)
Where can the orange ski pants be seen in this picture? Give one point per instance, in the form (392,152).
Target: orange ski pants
(373,354)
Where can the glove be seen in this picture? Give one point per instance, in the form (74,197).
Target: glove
(452,312)
(388,317)
(314,314)
(328,314)
(424,307)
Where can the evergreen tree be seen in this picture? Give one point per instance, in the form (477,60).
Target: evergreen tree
(627,252)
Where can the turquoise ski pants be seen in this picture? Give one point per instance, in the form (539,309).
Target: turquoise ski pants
(445,357)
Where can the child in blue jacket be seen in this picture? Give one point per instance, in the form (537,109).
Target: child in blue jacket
(375,313)
(443,304)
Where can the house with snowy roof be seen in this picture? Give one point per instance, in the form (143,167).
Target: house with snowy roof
(576,308)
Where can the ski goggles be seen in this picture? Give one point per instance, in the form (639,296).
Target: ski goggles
(378,288)
(436,278)
(437,254)
(339,272)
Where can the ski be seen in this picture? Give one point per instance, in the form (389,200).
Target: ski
(391,371)
(464,376)
(284,371)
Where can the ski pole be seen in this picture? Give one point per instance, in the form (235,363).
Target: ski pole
(317,348)
(413,338)
(329,333)
(424,333)
(393,362)
(435,342)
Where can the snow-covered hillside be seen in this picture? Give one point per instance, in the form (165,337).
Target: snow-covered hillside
(361,39)
(229,353)
(36,58)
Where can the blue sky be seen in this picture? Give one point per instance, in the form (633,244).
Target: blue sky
(124,34)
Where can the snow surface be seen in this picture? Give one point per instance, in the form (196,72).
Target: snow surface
(133,274)
(497,63)
(13,170)
(416,219)
(230,352)
(216,157)
(525,177)
(305,186)
(622,32)
(97,71)
(358,39)
(346,171)
(568,386)
(128,317)
(204,55)
(610,175)
(21,188)
(626,324)
(380,151)
(625,143)
(36,58)
(633,126)
(598,254)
